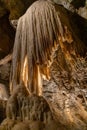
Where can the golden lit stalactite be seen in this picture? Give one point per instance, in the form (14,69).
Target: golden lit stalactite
(25,75)
(40,73)
(25,71)
(37,78)
(39,82)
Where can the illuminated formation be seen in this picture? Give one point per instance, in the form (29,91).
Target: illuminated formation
(39,31)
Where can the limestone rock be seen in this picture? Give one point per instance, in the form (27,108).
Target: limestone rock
(3,92)
(83,12)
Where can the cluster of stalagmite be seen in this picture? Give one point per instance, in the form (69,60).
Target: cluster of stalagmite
(24,110)
(23,107)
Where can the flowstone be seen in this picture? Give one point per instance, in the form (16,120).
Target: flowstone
(26,111)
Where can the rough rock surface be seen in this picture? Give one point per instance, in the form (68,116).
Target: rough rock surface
(17,8)
(83,12)
(2,110)
(32,113)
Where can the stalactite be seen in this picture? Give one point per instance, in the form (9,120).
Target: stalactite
(33,44)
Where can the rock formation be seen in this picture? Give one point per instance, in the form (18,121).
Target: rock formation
(83,11)
(31,54)
(4,94)
(63,103)
(33,111)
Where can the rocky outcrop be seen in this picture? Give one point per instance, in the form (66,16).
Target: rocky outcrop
(83,12)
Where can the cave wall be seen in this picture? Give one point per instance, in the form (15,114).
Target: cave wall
(7,33)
